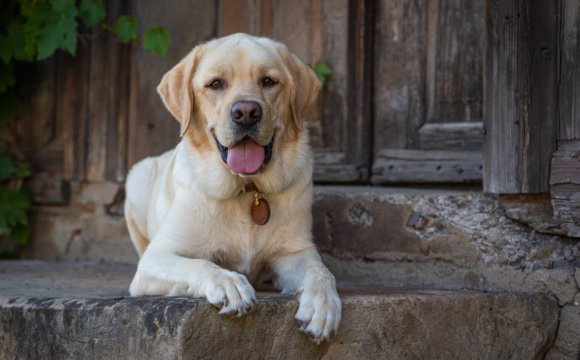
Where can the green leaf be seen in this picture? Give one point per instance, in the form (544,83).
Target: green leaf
(23,170)
(64,6)
(17,40)
(12,45)
(21,233)
(126,28)
(157,39)
(57,28)
(322,71)
(6,167)
(9,106)
(7,78)
(5,49)
(13,205)
(92,12)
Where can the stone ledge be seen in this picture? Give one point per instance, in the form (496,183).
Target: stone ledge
(71,310)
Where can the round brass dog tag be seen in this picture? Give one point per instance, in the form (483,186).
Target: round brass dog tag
(261,212)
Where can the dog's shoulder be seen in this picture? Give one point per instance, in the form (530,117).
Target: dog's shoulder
(142,177)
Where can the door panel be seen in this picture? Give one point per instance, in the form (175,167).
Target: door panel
(428,91)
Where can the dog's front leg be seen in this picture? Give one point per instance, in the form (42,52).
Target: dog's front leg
(315,288)
(163,271)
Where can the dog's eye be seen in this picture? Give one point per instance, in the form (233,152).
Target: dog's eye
(216,84)
(268,82)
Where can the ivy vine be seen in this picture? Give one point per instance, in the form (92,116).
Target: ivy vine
(33,30)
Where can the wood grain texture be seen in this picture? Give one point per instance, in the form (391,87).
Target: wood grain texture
(39,130)
(75,100)
(519,124)
(93,105)
(107,96)
(152,130)
(359,123)
(35,127)
(566,204)
(566,163)
(238,16)
(333,99)
(456,49)
(451,136)
(549,88)
(570,71)
(565,186)
(411,166)
(342,173)
(399,81)
(535,210)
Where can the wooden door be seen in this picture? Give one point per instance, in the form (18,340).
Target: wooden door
(113,115)
(428,91)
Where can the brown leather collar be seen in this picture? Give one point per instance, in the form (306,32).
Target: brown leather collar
(251,187)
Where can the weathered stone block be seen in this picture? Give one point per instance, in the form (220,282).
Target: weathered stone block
(567,345)
(71,321)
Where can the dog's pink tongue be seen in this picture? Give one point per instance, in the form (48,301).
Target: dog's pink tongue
(246,157)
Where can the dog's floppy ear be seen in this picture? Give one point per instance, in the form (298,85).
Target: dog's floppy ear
(304,87)
(176,88)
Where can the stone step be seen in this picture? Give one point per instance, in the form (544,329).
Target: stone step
(69,310)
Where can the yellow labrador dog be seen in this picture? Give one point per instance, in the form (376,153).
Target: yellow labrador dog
(241,102)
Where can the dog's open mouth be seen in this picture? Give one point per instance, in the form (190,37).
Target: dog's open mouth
(247,156)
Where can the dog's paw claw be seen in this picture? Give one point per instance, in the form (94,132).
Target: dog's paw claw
(320,313)
(297,293)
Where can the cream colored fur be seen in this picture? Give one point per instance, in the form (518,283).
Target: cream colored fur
(187,212)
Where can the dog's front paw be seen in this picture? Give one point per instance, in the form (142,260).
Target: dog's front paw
(231,292)
(319,312)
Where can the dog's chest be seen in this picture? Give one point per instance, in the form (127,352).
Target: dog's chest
(232,239)
(240,253)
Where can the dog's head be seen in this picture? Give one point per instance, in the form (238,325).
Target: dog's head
(237,97)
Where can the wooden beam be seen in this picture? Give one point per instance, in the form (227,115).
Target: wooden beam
(451,136)
(520,106)
(399,81)
(565,189)
(330,167)
(535,210)
(566,163)
(400,166)
(338,174)
(360,59)
(570,72)
(455,61)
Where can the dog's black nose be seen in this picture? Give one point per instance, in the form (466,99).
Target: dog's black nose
(246,113)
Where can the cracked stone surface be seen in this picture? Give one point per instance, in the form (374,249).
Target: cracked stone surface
(438,238)
(82,310)
(432,214)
